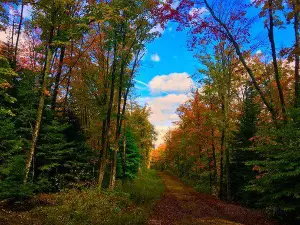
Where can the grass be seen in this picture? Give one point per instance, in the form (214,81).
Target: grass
(129,204)
(145,189)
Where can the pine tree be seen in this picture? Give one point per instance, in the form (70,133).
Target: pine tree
(12,163)
(242,173)
(132,156)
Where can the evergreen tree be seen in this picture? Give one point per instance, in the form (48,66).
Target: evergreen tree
(242,173)
(12,158)
(129,168)
(278,181)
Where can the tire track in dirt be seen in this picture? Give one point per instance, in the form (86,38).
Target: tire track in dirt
(181,205)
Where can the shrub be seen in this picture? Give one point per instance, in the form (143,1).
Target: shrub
(12,187)
(91,207)
(128,205)
(145,189)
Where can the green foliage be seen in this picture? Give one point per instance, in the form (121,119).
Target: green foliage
(10,145)
(133,157)
(6,78)
(62,157)
(11,154)
(145,189)
(203,183)
(12,186)
(241,173)
(278,179)
(93,206)
(142,129)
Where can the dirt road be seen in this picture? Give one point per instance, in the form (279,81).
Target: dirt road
(181,205)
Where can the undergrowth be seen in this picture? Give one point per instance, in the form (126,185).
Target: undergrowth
(129,204)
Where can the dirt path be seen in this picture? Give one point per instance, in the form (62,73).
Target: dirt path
(182,205)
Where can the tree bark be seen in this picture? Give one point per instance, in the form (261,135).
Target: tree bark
(57,78)
(297,60)
(18,33)
(36,130)
(118,123)
(221,191)
(215,172)
(120,117)
(108,118)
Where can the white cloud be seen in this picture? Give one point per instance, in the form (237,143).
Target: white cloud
(195,12)
(157,29)
(174,90)
(164,107)
(141,82)
(3,36)
(155,57)
(163,110)
(161,132)
(27,11)
(174,5)
(258,52)
(174,82)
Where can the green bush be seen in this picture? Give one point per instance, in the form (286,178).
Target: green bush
(129,204)
(203,184)
(145,189)
(91,207)
(13,187)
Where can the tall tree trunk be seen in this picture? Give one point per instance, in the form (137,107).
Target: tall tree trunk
(227,155)
(215,172)
(11,45)
(57,78)
(18,34)
(102,154)
(118,130)
(108,118)
(69,79)
(221,191)
(210,171)
(36,130)
(124,151)
(275,64)
(297,49)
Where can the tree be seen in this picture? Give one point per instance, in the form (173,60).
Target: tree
(9,144)
(234,28)
(242,153)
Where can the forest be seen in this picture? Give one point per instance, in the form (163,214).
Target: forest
(77,147)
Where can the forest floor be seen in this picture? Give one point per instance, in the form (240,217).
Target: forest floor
(182,205)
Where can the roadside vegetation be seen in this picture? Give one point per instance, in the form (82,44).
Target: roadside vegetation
(130,203)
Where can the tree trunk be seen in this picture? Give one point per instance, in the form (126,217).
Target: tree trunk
(18,34)
(113,174)
(36,130)
(297,49)
(108,118)
(102,160)
(215,172)
(210,170)
(275,64)
(221,191)
(118,131)
(57,78)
